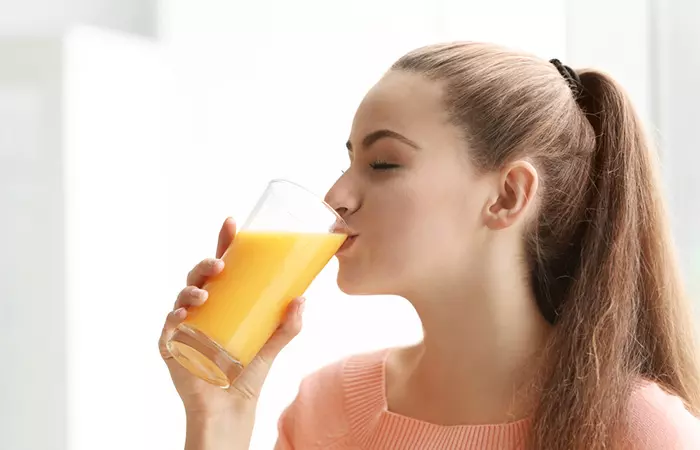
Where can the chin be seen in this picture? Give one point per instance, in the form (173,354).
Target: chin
(357,284)
(354,289)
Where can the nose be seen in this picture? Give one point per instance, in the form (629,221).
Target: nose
(343,198)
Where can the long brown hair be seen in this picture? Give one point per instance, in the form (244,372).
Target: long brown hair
(600,253)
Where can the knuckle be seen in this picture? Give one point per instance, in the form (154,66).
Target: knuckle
(292,327)
(191,274)
(172,320)
(180,297)
(185,292)
(189,291)
(191,295)
(203,267)
(162,344)
(163,350)
(208,264)
(169,322)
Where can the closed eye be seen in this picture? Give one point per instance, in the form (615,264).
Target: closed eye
(382,165)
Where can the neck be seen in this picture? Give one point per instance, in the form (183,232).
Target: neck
(479,356)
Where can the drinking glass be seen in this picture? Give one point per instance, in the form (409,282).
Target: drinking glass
(287,240)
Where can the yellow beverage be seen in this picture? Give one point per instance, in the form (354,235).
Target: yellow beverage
(263,272)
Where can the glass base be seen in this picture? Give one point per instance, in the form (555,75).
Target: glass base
(203,357)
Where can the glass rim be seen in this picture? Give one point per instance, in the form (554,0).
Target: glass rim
(277,181)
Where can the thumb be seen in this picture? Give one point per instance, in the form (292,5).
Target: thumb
(226,236)
(250,383)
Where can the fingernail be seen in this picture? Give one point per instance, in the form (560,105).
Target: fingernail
(216,263)
(202,294)
(302,305)
(180,313)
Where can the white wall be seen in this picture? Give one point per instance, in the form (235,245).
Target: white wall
(677,99)
(32,322)
(84,243)
(51,17)
(118,95)
(616,37)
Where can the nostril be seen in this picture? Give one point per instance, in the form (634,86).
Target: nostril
(342,211)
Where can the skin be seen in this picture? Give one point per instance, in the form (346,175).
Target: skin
(428,227)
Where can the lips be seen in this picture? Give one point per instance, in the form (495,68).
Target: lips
(347,244)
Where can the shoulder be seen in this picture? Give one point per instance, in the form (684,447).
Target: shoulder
(658,419)
(324,386)
(319,411)
(331,381)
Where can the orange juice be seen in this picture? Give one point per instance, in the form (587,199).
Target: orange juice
(263,272)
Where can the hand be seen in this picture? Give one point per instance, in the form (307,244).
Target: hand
(199,397)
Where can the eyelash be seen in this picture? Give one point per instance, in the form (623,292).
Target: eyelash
(383,165)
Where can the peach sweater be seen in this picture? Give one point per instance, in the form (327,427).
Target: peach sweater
(343,406)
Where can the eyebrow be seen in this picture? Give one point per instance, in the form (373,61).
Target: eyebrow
(374,136)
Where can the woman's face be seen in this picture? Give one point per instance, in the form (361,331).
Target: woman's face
(410,193)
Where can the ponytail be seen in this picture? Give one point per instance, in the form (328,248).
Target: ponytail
(623,317)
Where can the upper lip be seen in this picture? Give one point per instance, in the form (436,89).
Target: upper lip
(345,230)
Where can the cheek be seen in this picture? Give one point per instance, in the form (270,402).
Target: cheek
(411,224)
(395,213)
(410,231)
(443,227)
(389,224)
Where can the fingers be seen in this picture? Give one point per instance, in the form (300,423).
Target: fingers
(191,296)
(203,271)
(288,330)
(171,322)
(213,266)
(226,235)
(250,383)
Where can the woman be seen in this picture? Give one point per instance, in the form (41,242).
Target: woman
(515,203)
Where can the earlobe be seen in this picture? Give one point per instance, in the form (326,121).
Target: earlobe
(516,192)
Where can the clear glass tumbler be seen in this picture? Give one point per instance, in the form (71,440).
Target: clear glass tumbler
(288,239)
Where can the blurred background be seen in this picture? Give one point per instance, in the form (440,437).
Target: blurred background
(129,129)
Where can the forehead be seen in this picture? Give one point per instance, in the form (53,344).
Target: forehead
(404,102)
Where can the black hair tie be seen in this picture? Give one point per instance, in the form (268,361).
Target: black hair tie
(570,75)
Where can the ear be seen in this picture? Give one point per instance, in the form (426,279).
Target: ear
(517,189)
